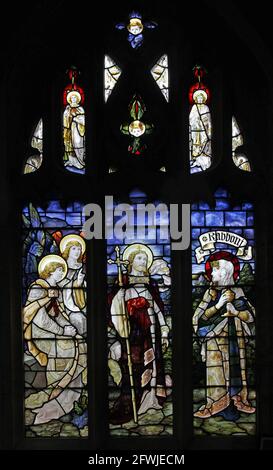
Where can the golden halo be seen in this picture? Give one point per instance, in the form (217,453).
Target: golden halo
(72,237)
(52,259)
(200,92)
(139,247)
(137,125)
(135,22)
(71,94)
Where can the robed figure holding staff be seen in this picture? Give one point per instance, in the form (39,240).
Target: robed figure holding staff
(137,315)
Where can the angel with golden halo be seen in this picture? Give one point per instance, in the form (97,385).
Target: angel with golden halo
(200,131)
(137,316)
(54,342)
(200,123)
(74,131)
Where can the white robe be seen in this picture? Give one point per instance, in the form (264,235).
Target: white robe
(64,357)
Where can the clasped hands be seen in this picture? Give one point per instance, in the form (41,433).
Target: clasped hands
(227,298)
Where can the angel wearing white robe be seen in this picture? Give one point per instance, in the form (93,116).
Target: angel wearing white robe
(200,128)
(74,131)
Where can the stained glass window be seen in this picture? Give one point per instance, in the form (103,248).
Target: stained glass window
(160,73)
(34,162)
(137,128)
(200,125)
(136,28)
(54,321)
(140,323)
(74,125)
(239,158)
(223,270)
(112,72)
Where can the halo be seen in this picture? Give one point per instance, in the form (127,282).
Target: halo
(73,93)
(137,125)
(139,247)
(72,237)
(135,21)
(199,92)
(52,259)
(226,255)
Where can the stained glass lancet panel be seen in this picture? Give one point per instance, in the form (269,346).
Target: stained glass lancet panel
(74,125)
(239,158)
(112,73)
(200,125)
(139,323)
(54,322)
(223,270)
(34,162)
(160,73)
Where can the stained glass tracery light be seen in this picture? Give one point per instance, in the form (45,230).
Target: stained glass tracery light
(74,125)
(239,158)
(200,125)
(136,128)
(160,73)
(112,73)
(135,28)
(34,162)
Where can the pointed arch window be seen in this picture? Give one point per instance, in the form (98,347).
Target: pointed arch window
(103,132)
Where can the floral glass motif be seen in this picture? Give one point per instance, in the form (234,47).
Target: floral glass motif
(200,126)
(136,128)
(135,28)
(239,158)
(160,73)
(34,162)
(223,271)
(54,322)
(111,75)
(74,125)
(140,330)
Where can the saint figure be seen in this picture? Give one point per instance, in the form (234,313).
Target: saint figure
(137,317)
(53,341)
(222,321)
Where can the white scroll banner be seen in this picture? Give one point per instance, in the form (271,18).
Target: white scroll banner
(207,241)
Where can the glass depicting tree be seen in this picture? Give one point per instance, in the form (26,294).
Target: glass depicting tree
(223,269)
(54,322)
(137,128)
